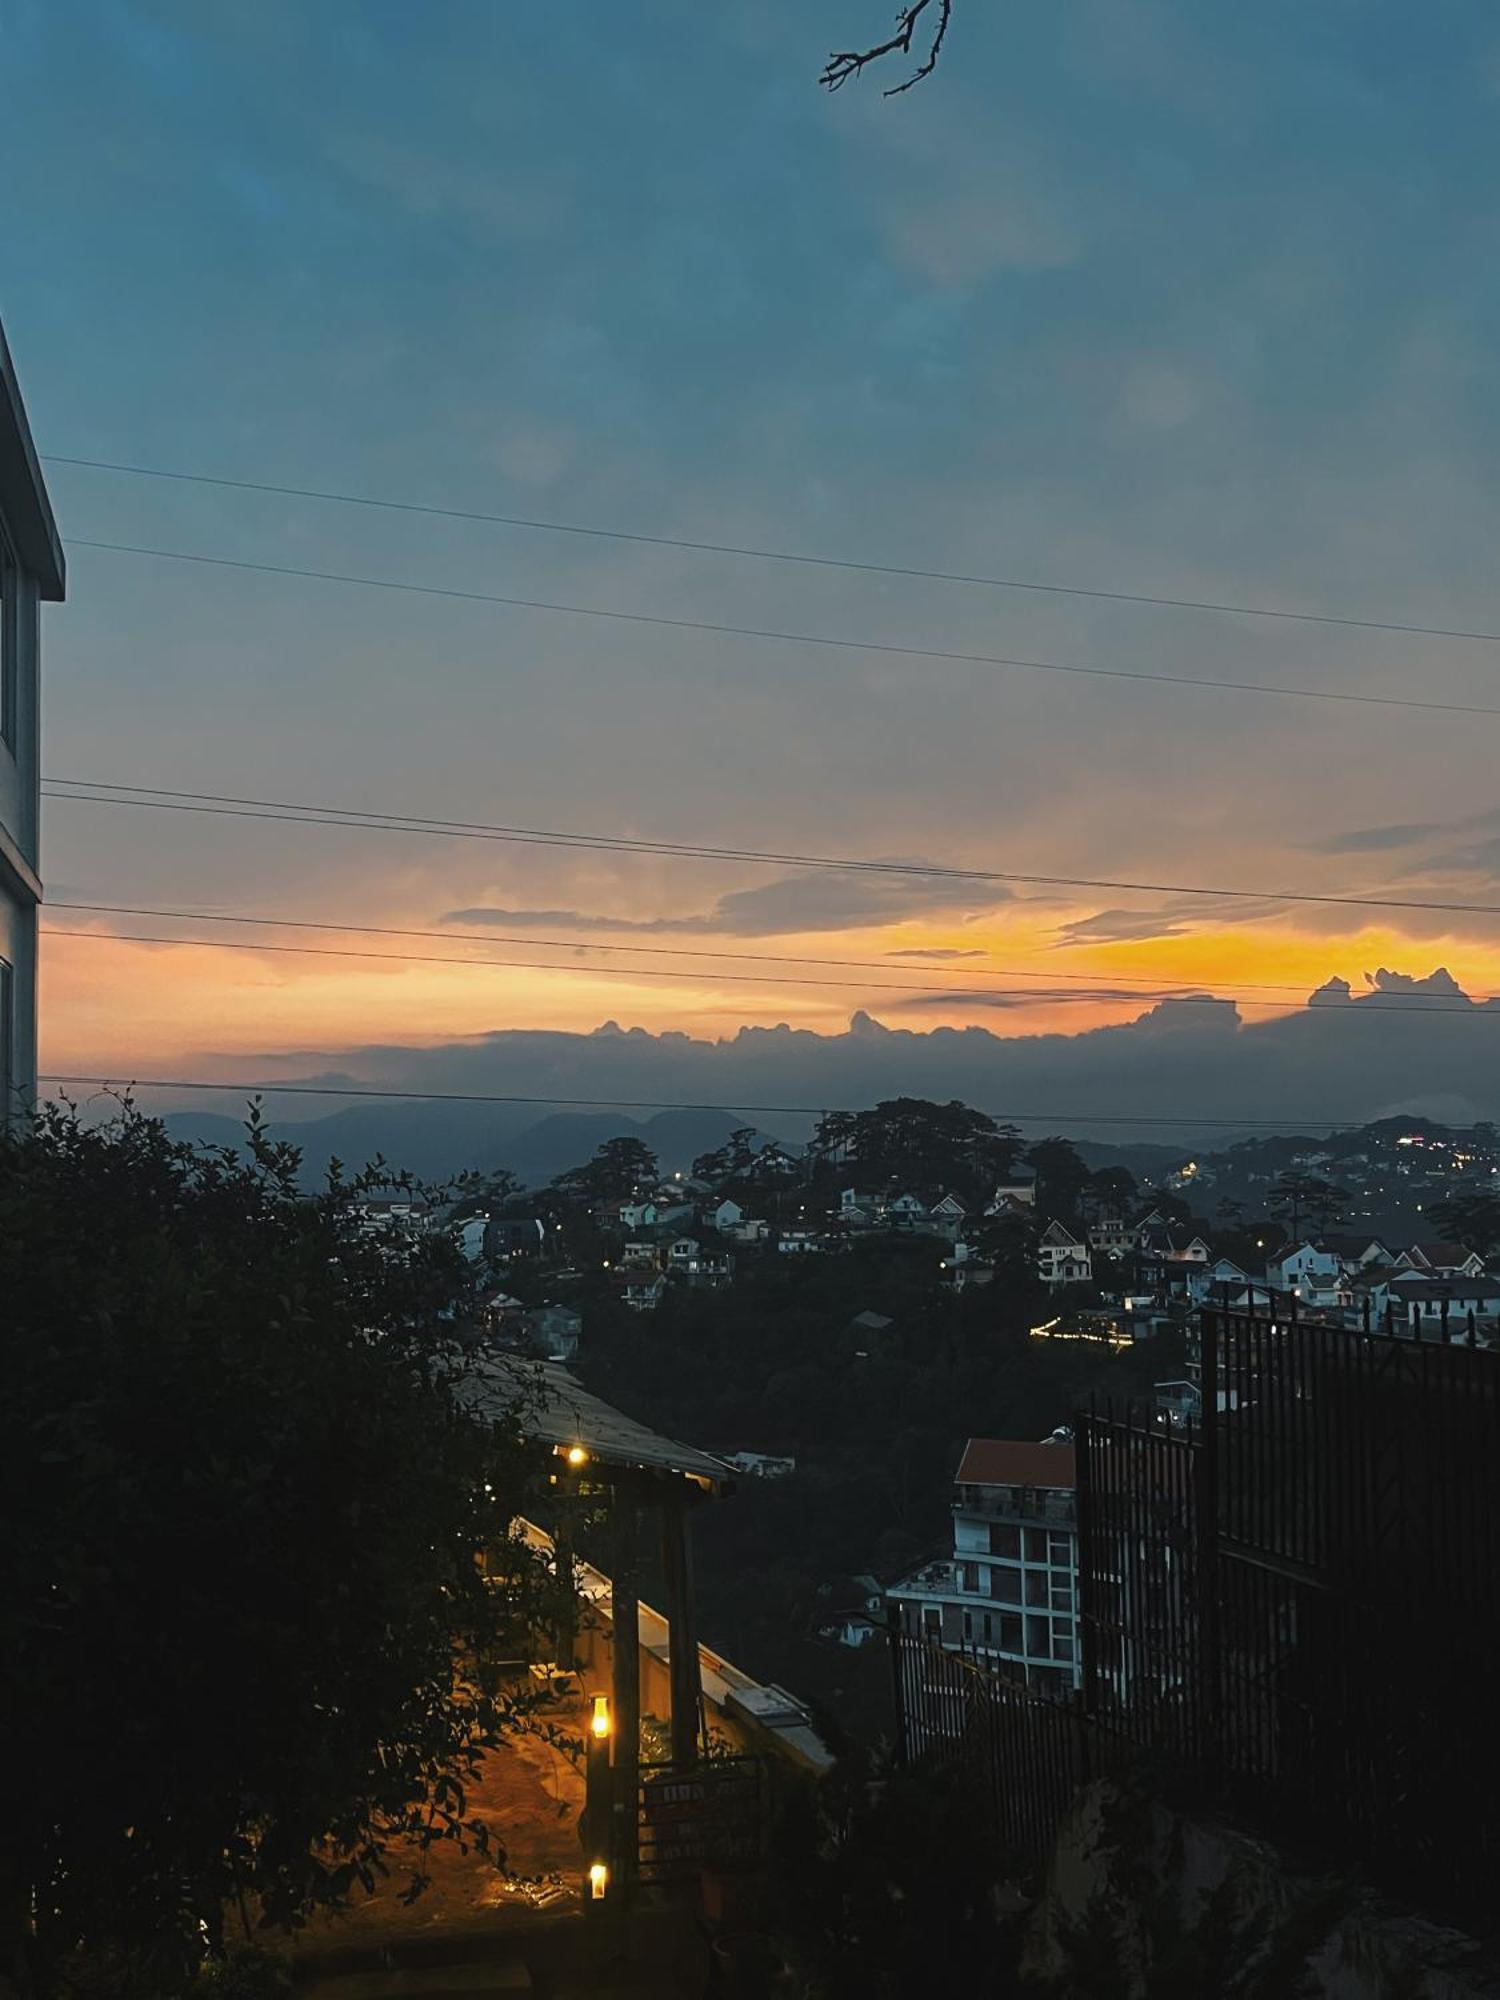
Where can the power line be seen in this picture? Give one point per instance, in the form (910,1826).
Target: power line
(1301,1123)
(1162,987)
(1472,1011)
(513,964)
(660,619)
(773,555)
(302,815)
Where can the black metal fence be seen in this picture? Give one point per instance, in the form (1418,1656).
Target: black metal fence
(1287,1607)
(1028,1754)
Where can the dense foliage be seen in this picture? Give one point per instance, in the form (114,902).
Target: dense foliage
(242,1500)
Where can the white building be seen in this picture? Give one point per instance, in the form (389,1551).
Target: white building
(1010,1590)
(31,574)
(1061,1259)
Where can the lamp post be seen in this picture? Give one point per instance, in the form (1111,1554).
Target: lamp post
(597,1815)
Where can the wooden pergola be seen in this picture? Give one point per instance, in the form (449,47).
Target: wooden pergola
(646,1475)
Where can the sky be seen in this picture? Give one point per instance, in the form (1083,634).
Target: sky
(1147,298)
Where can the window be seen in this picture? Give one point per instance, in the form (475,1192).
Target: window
(1011,1632)
(932,1621)
(1005,1583)
(1062,1594)
(1004,1540)
(1036,1587)
(988,1627)
(969,1576)
(1036,1545)
(1038,1642)
(968,1624)
(1062,1550)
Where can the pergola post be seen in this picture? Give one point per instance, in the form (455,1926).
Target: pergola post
(625,1618)
(687,1685)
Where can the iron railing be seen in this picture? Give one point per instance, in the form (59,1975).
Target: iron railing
(1284,1608)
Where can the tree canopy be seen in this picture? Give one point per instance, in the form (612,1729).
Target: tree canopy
(620,1168)
(242,1629)
(918,1143)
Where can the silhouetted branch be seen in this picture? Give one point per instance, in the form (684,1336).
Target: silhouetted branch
(843,64)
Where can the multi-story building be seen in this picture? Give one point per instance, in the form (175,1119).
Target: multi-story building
(31,573)
(1062,1258)
(1009,1590)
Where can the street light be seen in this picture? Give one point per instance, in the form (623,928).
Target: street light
(577,1455)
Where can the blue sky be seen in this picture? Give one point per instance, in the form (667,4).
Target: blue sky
(1155,297)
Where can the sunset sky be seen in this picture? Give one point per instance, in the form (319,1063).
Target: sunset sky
(1145,297)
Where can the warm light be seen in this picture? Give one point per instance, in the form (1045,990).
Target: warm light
(577,1455)
(599,1721)
(598,1881)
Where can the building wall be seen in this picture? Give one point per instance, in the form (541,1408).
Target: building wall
(1012,1594)
(19,816)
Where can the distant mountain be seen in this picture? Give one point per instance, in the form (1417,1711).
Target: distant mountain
(436,1141)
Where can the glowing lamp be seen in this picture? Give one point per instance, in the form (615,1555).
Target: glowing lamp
(599,1722)
(598,1881)
(577,1455)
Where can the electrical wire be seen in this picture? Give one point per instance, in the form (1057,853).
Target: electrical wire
(775,555)
(721,629)
(668,1104)
(1186,992)
(300,815)
(964,972)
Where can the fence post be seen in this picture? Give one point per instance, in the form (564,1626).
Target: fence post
(894,1636)
(1207,1560)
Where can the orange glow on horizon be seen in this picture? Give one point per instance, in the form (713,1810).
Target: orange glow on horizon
(123,1007)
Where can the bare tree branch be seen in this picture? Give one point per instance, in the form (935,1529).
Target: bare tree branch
(844,63)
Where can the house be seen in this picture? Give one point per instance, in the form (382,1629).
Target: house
(1302,1266)
(798,1242)
(1113,1236)
(761,1464)
(1061,1259)
(854,1613)
(703,1270)
(637,1214)
(1205,1282)
(31,574)
(1433,1308)
(469,1235)
(948,1209)
(1358,1253)
(906,1211)
(1446,1258)
(1019,1184)
(859,1209)
(640,1290)
(512,1239)
(640,1256)
(394,1215)
(1009,1592)
(555,1331)
(727,1216)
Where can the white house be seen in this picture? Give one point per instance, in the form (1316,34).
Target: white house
(470,1236)
(1444,1258)
(31,574)
(906,1210)
(1113,1236)
(638,1214)
(641,1290)
(1206,1281)
(1428,1307)
(1303,1267)
(1061,1259)
(727,1216)
(948,1209)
